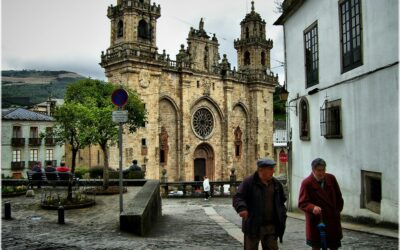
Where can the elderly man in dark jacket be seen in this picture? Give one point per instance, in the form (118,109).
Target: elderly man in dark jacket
(260,202)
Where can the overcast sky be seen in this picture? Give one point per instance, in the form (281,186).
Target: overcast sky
(70,34)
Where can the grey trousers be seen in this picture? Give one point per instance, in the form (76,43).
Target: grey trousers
(267,237)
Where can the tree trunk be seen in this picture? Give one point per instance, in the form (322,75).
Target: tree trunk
(74,153)
(106,175)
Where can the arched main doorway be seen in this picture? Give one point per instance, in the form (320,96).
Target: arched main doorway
(203,162)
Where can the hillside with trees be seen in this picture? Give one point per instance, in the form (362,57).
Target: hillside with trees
(29,87)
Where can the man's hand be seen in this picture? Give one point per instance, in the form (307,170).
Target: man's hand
(317,210)
(244,214)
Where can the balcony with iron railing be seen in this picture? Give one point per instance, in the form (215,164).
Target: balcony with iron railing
(195,188)
(17,165)
(17,142)
(31,164)
(280,138)
(49,141)
(34,141)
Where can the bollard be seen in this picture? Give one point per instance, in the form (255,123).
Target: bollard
(61,215)
(7,211)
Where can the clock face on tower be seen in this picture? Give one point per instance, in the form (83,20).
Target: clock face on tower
(203,123)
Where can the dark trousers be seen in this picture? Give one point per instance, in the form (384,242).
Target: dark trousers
(267,238)
(207,193)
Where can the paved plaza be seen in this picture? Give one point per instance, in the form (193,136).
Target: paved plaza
(185,224)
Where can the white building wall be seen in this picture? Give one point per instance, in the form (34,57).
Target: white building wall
(6,148)
(369,103)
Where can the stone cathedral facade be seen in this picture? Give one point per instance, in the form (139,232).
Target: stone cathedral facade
(204,117)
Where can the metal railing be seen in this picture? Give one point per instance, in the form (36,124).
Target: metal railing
(195,188)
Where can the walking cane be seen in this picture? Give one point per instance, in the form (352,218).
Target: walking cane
(322,234)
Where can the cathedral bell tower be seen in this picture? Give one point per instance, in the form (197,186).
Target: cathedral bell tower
(202,51)
(252,48)
(133,24)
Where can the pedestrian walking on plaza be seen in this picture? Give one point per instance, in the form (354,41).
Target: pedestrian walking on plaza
(260,202)
(321,200)
(206,187)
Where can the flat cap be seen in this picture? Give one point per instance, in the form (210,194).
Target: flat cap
(265,162)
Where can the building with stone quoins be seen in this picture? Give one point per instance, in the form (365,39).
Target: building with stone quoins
(203,116)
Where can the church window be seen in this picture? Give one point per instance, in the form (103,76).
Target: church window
(162,156)
(263,58)
(144,30)
(198,84)
(144,142)
(247,32)
(304,120)
(237,150)
(203,123)
(206,57)
(247,58)
(120,32)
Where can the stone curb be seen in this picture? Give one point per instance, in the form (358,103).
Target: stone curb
(357,227)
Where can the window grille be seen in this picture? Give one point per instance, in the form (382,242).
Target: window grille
(330,119)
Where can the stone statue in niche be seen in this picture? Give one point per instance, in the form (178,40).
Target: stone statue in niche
(238,134)
(164,138)
(207,87)
(164,148)
(144,79)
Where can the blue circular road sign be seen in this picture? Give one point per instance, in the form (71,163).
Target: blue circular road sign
(119,97)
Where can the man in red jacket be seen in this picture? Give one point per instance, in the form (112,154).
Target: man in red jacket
(321,200)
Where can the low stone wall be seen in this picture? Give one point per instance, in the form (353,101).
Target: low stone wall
(143,211)
(81,182)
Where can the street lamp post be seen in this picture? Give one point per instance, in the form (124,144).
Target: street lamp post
(283,95)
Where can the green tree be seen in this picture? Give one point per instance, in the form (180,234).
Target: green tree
(96,95)
(73,121)
(279,105)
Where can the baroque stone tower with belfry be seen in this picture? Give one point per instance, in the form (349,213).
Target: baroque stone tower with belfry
(204,118)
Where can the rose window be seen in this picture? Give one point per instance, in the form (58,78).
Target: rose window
(203,122)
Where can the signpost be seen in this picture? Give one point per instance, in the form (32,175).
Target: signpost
(120,98)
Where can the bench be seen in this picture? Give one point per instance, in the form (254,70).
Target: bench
(49,178)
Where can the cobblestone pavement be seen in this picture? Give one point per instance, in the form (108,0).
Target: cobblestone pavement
(184,225)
